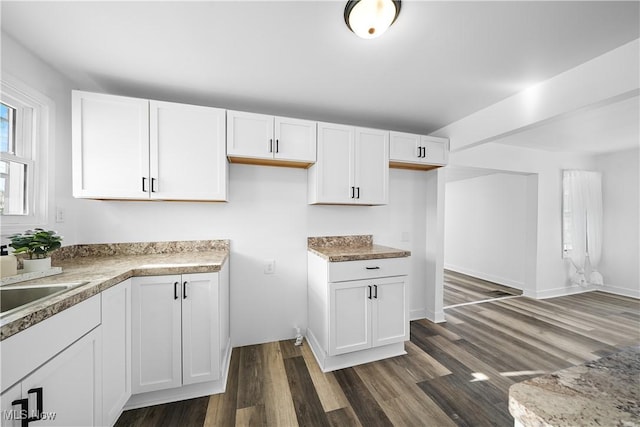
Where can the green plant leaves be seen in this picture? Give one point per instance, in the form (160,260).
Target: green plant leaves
(37,243)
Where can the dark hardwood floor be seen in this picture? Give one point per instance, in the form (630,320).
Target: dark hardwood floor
(455,373)
(462,289)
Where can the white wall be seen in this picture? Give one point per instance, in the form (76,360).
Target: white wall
(267,217)
(486,228)
(620,265)
(551,274)
(28,69)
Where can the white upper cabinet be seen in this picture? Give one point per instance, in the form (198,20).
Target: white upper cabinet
(352,166)
(268,140)
(110,146)
(128,148)
(411,151)
(188,159)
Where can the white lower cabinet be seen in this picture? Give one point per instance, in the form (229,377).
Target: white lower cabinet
(358,310)
(116,350)
(179,330)
(366,313)
(65,391)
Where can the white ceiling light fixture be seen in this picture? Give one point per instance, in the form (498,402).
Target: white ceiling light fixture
(371,18)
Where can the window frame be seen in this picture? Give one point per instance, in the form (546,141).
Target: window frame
(33,136)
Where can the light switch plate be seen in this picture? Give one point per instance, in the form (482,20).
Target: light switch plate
(269,266)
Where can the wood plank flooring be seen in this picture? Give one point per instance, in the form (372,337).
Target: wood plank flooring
(455,373)
(462,289)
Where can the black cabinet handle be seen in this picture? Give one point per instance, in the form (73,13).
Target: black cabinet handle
(24,411)
(184,290)
(373,268)
(153,187)
(353,192)
(369,296)
(419,152)
(271,145)
(375,288)
(143,181)
(39,404)
(175,290)
(277,145)
(358,192)
(424,152)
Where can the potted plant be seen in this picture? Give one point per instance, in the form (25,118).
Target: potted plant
(37,244)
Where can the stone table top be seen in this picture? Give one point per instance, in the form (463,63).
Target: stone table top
(102,269)
(604,392)
(352,248)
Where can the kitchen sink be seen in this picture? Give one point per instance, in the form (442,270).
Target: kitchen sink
(17,297)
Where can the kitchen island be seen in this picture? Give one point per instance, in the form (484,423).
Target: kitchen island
(604,392)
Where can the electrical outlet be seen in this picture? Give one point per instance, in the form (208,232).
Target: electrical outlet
(59,214)
(269,266)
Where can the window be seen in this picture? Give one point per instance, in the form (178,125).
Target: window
(23,156)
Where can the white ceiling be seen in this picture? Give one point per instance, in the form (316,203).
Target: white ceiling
(602,129)
(440,61)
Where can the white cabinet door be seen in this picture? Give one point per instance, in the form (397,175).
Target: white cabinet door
(200,328)
(71,385)
(349,317)
(404,147)
(156,333)
(249,135)
(372,166)
(435,150)
(295,140)
(390,313)
(110,146)
(188,160)
(116,350)
(332,176)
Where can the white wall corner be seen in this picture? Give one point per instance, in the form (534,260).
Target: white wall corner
(625,292)
(417,314)
(436,316)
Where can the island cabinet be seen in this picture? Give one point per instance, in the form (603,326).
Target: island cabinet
(352,166)
(358,310)
(130,148)
(180,336)
(51,372)
(411,151)
(268,140)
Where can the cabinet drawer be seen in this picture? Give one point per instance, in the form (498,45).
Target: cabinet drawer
(25,351)
(368,269)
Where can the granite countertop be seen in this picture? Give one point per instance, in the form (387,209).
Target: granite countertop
(106,265)
(351,248)
(604,392)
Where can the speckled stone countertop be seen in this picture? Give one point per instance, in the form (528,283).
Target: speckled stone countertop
(104,265)
(604,392)
(351,248)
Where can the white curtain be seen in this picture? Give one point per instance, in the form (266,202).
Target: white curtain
(583,223)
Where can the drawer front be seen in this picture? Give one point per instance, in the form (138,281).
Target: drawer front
(25,351)
(369,269)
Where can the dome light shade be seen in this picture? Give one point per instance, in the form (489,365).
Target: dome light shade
(370,18)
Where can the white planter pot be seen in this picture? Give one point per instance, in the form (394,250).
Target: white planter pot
(39,264)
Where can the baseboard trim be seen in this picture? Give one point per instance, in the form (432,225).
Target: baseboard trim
(417,314)
(561,292)
(485,276)
(632,293)
(435,317)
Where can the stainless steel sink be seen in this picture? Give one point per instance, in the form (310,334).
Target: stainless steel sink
(17,297)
